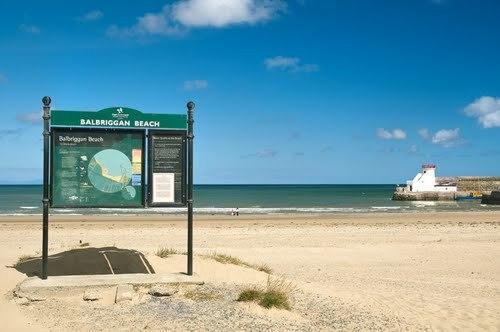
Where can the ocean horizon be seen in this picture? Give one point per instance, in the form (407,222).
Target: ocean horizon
(254,199)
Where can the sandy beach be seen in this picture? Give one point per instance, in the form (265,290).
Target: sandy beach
(382,271)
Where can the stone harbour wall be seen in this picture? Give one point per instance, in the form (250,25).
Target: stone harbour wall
(478,183)
(423,196)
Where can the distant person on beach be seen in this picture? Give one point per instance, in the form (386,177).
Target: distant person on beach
(237,212)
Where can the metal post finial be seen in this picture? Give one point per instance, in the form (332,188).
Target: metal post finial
(190,106)
(46,101)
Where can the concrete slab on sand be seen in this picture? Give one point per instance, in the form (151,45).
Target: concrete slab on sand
(33,283)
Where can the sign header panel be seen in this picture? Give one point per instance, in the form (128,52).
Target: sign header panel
(118,117)
(97,168)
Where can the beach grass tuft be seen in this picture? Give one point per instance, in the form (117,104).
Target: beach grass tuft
(250,294)
(23,259)
(165,252)
(276,299)
(275,295)
(263,268)
(84,244)
(228,259)
(199,295)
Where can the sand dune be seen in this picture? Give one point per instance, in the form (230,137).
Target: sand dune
(376,271)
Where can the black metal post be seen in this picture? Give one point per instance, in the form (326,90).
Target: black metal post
(190,137)
(45,201)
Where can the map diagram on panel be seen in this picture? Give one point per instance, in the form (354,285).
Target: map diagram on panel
(110,171)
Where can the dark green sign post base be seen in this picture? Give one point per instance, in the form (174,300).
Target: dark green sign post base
(98,159)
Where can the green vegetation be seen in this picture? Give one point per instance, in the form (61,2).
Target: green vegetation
(250,294)
(275,299)
(228,259)
(201,295)
(275,295)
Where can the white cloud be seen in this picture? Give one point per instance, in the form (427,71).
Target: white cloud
(413,149)
(326,148)
(220,13)
(30,117)
(148,24)
(487,111)
(93,15)
(265,153)
(4,133)
(281,62)
(424,133)
(397,134)
(447,137)
(290,64)
(33,29)
(176,18)
(195,85)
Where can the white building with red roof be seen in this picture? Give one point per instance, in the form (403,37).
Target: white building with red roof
(425,181)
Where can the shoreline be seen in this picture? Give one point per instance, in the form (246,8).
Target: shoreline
(365,218)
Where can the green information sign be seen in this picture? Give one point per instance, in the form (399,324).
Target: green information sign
(97,168)
(120,117)
(98,160)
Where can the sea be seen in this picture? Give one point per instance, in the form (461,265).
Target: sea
(255,199)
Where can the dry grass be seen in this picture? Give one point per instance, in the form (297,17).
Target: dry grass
(263,268)
(165,252)
(84,244)
(276,294)
(23,259)
(228,259)
(201,295)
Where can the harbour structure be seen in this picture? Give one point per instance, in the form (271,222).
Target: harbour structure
(426,181)
(426,186)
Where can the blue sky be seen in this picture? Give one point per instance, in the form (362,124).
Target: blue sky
(338,91)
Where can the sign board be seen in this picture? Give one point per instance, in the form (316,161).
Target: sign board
(97,168)
(118,117)
(97,159)
(167,162)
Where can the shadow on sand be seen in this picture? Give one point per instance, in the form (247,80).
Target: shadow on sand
(89,261)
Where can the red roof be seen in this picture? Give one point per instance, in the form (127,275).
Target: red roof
(428,166)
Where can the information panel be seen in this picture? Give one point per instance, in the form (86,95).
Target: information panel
(97,168)
(167,155)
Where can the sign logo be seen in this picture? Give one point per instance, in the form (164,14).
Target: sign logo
(119,115)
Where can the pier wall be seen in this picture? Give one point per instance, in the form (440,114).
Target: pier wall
(478,183)
(424,196)
(466,185)
(485,184)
